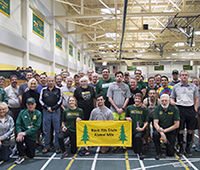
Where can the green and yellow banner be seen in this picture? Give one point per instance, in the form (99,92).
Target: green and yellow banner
(38,25)
(159,68)
(79,56)
(84,60)
(187,67)
(58,41)
(5,7)
(71,49)
(131,68)
(89,63)
(104,133)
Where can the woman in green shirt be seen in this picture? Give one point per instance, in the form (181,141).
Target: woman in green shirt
(69,118)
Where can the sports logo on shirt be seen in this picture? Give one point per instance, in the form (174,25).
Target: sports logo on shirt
(86,95)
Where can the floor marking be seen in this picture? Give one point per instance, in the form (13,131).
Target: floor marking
(95,158)
(194,167)
(45,165)
(141,163)
(185,166)
(70,163)
(12,167)
(127,161)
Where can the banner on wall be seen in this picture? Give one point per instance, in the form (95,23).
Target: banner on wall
(38,25)
(187,67)
(104,133)
(84,59)
(159,68)
(71,49)
(5,7)
(89,63)
(58,41)
(131,68)
(79,56)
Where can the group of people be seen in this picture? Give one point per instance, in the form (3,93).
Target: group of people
(54,104)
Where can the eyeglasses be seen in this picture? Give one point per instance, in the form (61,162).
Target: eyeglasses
(184,74)
(138,73)
(105,72)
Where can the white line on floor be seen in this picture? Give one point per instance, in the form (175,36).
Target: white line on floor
(141,163)
(194,167)
(95,158)
(49,160)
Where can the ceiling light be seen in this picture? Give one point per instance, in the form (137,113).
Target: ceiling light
(174,54)
(191,54)
(182,50)
(167,57)
(108,11)
(111,46)
(138,55)
(197,32)
(183,57)
(179,44)
(157,28)
(104,63)
(101,47)
(103,52)
(111,35)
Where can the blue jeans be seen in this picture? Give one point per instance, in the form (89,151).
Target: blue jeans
(5,152)
(49,118)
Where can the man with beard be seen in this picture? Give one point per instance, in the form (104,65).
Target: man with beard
(58,79)
(165,88)
(175,78)
(150,103)
(126,78)
(158,80)
(89,74)
(187,100)
(151,85)
(166,121)
(140,84)
(133,90)
(94,81)
(64,75)
(103,85)
(101,113)
(76,81)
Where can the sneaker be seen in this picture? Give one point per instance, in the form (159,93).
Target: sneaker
(197,148)
(14,150)
(19,160)
(58,150)
(52,146)
(36,150)
(116,149)
(188,152)
(45,150)
(84,152)
(181,152)
(141,157)
(124,149)
(65,154)
(193,145)
(157,157)
(1,162)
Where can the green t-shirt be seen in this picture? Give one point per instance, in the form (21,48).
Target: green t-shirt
(141,85)
(148,89)
(166,119)
(138,115)
(102,88)
(128,83)
(69,117)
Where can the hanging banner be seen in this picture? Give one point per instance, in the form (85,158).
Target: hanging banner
(5,7)
(70,49)
(58,41)
(79,56)
(38,25)
(187,67)
(159,68)
(84,60)
(131,68)
(89,63)
(104,133)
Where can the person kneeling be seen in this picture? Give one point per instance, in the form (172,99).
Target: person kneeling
(69,118)
(139,116)
(166,121)
(28,122)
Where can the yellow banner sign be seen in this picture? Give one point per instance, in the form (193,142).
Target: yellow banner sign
(104,133)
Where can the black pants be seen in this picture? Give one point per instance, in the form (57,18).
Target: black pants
(72,136)
(137,141)
(4,152)
(29,150)
(171,137)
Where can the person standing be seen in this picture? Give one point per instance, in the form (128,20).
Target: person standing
(58,80)
(89,74)
(76,81)
(165,88)
(139,118)
(158,80)
(140,84)
(151,85)
(126,78)
(64,75)
(50,99)
(43,82)
(94,81)
(187,100)
(175,78)
(103,85)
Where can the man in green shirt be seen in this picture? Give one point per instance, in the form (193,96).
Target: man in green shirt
(3,96)
(103,84)
(139,118)
(28,122)
(166,121)
(140,84)
(127,78)
(151,86)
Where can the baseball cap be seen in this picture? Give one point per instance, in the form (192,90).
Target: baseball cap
(30,100)
(126,73)
(77,75)
(175,72)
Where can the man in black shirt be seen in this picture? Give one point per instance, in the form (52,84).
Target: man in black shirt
(134,90)
(50,99)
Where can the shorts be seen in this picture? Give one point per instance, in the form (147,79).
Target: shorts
(188,117)
(118,116)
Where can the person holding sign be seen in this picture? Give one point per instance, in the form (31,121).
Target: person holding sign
(139,118)
(69,117)
(101,113)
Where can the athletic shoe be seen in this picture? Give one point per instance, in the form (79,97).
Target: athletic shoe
(19,160)
(197,148)
(65,154)
(181,152)
(193,145)
(84,152)
(188,152)
(14,150)
(124,149)
(58,150)
(45,150)
(36,150)
(116,149)
(157,157)
(141,157)
(1,162)
(52,146)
